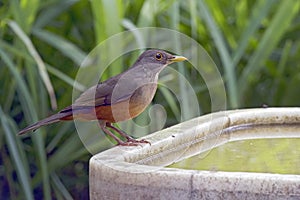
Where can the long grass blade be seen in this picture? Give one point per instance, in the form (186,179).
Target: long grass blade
(64,46)
(224,53)
(107,26)
(287,10)
(41,65)
(52,70)
(175,21)
(30,114)
(10,136)
(59,186)
(259,13)
(54,9)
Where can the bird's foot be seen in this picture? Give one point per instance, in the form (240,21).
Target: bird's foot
(130,141)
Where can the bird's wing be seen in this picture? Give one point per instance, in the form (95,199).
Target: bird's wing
(95,96)
(108,92)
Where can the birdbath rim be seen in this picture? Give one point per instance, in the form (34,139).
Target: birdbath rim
(144,166)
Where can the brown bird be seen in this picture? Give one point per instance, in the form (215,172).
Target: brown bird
(119,98)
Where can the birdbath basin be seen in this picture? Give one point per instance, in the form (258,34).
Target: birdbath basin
(142,172)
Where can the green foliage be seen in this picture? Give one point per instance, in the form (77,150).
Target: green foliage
(255,44)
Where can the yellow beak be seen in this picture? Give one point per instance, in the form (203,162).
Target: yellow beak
(177,59)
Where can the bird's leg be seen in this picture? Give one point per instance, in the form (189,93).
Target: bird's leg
(118,140)
(122,133)
(128,137)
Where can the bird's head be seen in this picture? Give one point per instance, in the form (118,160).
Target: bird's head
(161,57)
(155,60)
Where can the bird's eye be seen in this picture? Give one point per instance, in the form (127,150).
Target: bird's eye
(158,56)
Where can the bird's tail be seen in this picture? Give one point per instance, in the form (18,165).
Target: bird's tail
(49,120)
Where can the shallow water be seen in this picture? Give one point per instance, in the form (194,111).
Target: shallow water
(256,155)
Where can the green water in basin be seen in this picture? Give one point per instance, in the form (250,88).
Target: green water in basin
(257,155)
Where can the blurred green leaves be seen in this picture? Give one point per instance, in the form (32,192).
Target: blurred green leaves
(255,44)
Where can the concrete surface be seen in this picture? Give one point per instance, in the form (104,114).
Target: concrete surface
(140,173)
